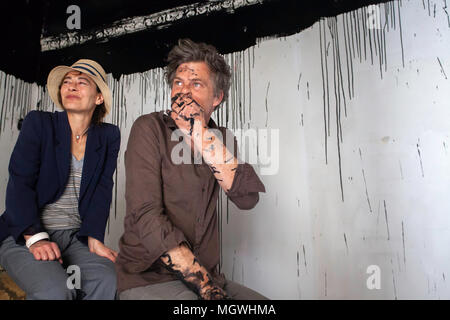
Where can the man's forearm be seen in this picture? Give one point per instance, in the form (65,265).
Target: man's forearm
(188,269)
(221,161)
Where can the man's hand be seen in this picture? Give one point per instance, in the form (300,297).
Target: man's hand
(100,249)
(187,113)
(181,261)
(45,250)
(189,116)
(213,292)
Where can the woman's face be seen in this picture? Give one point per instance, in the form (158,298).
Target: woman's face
(79,93)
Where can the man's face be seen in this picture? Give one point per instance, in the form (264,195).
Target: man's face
(194,79)
(79,92)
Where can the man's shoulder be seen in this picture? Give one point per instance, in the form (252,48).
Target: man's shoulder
(150,117)
(150,120)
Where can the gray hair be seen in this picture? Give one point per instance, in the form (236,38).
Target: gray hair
(190,51)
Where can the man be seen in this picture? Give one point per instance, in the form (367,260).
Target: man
(170,247)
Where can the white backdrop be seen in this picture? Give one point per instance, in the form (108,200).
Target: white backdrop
(360,103)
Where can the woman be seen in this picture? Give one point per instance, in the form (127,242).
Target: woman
(59,192)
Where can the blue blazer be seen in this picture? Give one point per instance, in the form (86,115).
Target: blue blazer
(39,170)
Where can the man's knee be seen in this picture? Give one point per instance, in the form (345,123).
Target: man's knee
(172,290)
(239,292)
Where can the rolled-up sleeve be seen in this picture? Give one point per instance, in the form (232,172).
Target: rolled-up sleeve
(143,193)
(244,191)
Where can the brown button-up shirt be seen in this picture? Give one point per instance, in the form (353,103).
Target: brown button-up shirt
(169,203)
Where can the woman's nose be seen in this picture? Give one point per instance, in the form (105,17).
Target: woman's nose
(72,86)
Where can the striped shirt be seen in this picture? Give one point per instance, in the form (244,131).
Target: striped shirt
(63,213)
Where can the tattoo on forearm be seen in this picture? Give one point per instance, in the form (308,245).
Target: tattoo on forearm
(194,277)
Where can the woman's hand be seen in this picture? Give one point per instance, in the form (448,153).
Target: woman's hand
(45,250)
(100,249)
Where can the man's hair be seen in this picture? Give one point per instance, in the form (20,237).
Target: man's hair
(190,51)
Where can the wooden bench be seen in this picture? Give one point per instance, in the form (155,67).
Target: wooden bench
(9,290)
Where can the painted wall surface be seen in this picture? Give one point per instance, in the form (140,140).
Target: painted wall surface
(358,171)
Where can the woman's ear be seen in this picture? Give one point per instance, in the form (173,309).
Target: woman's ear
(99,100)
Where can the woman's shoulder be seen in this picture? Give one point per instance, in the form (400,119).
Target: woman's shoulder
(105,126)
(40,115)
(36,119)
(34,115)
(109,130)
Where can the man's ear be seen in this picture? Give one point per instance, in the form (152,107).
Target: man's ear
(218,100)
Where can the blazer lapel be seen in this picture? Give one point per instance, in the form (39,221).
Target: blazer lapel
(63,154)
(91,158)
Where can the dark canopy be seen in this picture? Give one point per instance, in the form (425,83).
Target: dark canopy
(138,47)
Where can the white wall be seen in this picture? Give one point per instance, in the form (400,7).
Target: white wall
(363,122)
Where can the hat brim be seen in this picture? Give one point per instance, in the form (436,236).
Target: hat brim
(56,76)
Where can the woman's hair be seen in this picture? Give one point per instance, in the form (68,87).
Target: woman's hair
(99,112)
(190,51)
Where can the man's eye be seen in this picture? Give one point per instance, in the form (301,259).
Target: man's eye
(178,83)
(197,84)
